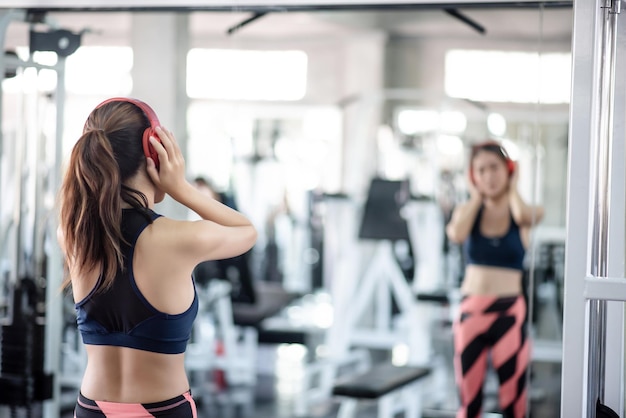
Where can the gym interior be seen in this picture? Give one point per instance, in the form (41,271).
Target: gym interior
(342,129)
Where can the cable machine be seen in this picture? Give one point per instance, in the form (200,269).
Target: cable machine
(30,152)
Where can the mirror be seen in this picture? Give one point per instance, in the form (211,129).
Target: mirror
(294,115)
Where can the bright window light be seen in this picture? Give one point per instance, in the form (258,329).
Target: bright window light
(449,145)
(499,76)
(411,122)
(29,80)
(420,121)
(246,74)
(101,70)
(453,122)
(45,57)
(496,123)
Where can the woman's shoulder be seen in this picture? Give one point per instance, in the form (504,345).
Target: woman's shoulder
(175,231)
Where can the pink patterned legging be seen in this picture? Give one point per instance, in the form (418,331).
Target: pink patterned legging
(497,326)
(182,406)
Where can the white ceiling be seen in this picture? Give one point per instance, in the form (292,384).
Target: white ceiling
(525,24)
(230,4)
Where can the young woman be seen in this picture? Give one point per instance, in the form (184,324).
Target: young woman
(130,268)
(494,225)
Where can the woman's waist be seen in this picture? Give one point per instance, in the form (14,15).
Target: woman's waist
(125,375)
(489,280)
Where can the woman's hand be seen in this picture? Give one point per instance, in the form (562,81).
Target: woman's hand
(475,194)
(170,177)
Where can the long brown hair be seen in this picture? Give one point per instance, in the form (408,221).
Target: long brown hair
(108,153)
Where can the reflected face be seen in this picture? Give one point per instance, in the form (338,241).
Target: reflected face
(490,173)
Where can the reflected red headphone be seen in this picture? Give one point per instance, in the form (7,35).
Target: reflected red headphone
(495,147)
(148,149)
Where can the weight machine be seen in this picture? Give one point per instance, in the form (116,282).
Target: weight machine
(31,263)
(375,305)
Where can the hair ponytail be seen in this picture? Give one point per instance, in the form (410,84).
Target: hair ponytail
(91,207)
(105,158)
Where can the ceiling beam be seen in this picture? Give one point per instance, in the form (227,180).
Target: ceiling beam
(270,5)
(251,19)
(463,18)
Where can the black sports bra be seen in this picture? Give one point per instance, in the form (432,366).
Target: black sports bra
(122,316)
(504,251)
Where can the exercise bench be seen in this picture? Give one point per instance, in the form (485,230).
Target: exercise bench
(383,383)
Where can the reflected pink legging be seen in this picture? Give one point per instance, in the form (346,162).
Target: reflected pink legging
(182,406)
(496,325)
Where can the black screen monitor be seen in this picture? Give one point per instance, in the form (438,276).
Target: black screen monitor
(381,216)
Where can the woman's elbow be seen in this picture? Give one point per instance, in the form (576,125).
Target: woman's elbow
(251,236)
(454,235)
(532,218)
(539,215)
(243,239)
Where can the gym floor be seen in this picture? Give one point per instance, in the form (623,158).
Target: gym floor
(274,396)
(272,399)
(280,374)
(266,401)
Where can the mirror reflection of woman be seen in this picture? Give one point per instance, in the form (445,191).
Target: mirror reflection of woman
(494,227)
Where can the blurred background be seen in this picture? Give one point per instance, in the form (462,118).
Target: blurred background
(305,119)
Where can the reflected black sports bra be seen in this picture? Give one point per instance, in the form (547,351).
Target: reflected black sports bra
(122,316)
(504,251)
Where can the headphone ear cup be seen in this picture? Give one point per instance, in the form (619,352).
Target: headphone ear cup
(148,149)
(511,166)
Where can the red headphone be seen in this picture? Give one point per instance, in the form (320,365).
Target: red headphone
(148,149)
(496,147)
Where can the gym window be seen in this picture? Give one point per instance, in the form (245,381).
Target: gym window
(500,76)
(100,70)
(246,74)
